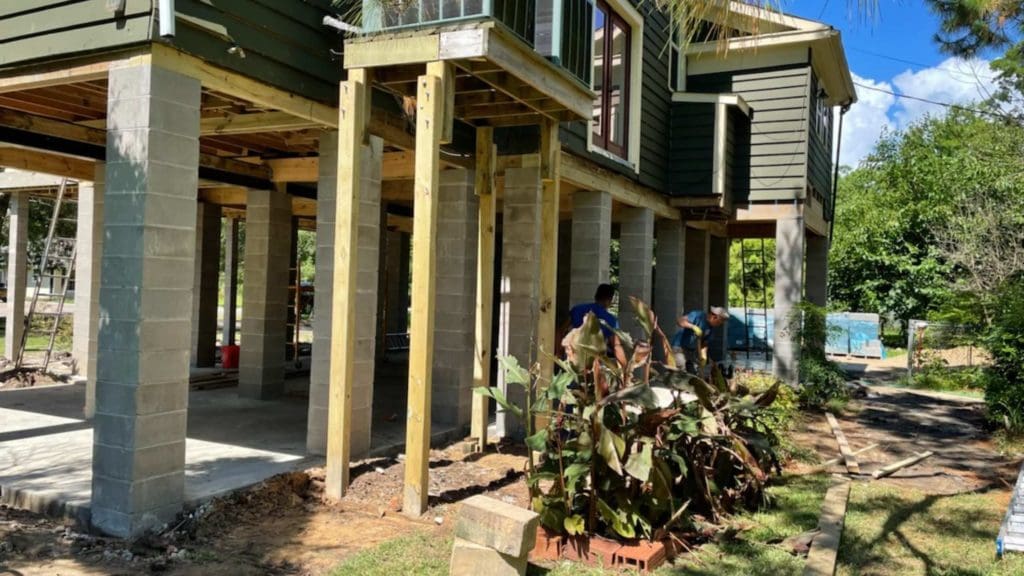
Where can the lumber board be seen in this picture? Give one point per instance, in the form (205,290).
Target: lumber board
(486,155)
(821,558)
(844,447)
(550,163)
(352,121)
(430,105)
(35,161)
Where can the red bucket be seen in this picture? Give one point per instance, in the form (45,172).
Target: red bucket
(229,357)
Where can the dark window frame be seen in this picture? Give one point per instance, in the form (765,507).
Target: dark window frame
(602,130)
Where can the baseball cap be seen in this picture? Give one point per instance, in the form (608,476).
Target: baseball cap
(720,312)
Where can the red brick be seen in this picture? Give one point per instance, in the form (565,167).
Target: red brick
(642,555)
(548,545)
(594,551)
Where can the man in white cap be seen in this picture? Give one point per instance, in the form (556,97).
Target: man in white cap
(691,341)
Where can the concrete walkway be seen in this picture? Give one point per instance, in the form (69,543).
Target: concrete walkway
(46,447)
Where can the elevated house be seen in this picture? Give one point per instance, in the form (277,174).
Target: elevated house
(486,150)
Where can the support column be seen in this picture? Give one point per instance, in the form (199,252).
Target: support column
(816,289)
(591,244)
(456,306)
(636,264)
(89,247)
(550,174)
(432,98)
(718,294)
(230,281)
(670,255)
(367,287)
(138,465)
(520,280)
(789,287)
(486,156)
(205,284)
(562,304)
(320,363)
(265,300)
(698,258)
(17,273)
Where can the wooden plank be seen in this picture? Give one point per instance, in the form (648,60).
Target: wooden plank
(486,155)
(430,107)
(844,448)
(391,51)
(550,172)
(35,161)
(294,169)
(352,119)
(583,174)
(821,558)
(253,123)
(244,88)
(50,127)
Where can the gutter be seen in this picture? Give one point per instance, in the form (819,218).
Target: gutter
(167,17)
(835,172)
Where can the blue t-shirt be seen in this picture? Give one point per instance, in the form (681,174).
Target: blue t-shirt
(580,311)
(685,337)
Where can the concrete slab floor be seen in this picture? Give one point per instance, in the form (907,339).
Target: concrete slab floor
(233,442)
(46,446)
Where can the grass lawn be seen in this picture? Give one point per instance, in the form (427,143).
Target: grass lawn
(795,507)
(894,530)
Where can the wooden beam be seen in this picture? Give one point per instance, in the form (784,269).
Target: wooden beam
(844,447)
(550,168)
(486,155)
(65,74)
(824,549)
(430,106)
(244,87)
(35,161)
(51,127)
(400,223)
(352,121)
(583,174)
(396,191)
(253,123)
(378,53)
(294,169)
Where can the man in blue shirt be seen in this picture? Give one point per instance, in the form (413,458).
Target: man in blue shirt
(691,341)
(603,298)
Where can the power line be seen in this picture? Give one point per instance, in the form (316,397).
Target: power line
(924,66)
(936,102)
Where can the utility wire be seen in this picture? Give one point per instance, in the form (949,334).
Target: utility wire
(923,66)
(937,103)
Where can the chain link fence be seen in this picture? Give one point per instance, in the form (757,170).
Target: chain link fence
(943,343)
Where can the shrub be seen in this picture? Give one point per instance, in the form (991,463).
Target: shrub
(632,450)
(936,374)
(822,382)
(1004,379)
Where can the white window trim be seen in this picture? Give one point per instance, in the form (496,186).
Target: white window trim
(632,16)
(678,46)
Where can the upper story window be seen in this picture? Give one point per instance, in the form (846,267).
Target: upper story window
(613,43)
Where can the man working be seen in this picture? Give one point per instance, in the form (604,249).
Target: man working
(603,298)
(691,341)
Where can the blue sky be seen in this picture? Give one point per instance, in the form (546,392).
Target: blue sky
(894,50)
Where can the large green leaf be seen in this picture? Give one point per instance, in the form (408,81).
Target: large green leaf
(514,373)
(641,395)
(539,441)
(608,446)
(644,316)
(559,386)
(574,473)
(639,463)
(616,519)
(499,397)
(574,525)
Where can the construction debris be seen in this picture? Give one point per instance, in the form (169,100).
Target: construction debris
(844,447)
(492,537)
(896,466)
(829,463)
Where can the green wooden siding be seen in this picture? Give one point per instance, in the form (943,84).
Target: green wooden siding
(693,147)
(34,30)
(284,41)
(779,99)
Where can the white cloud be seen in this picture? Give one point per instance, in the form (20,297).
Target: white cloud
(954,81)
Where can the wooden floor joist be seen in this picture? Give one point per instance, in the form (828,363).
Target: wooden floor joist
(821,558)
(485,160)
(352,112)
(430,107)
(844,447)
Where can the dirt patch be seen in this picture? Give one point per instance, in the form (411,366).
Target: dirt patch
(11,379)
(282,526)
(903,423)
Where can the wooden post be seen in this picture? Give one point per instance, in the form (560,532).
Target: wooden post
(352,121)
(485,162)
(430,104)
(550,169)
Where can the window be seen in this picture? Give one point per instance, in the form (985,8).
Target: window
(613,46)
(822,111)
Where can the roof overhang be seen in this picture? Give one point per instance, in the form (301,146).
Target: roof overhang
(770,29)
